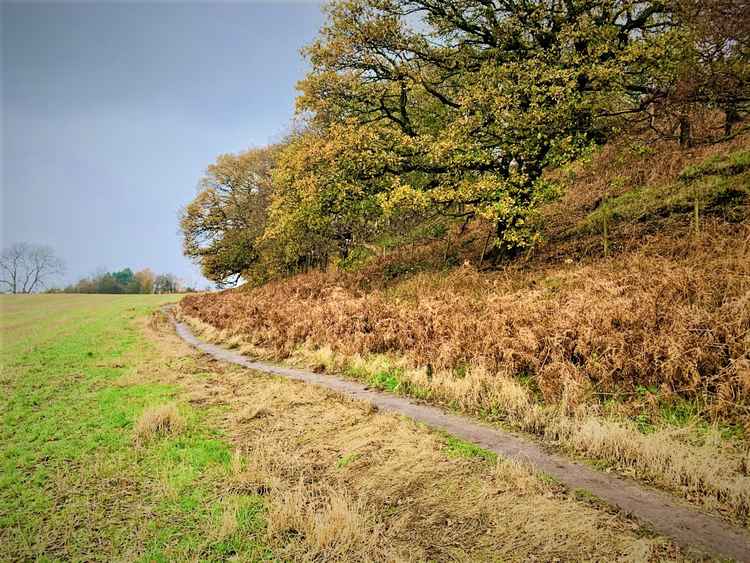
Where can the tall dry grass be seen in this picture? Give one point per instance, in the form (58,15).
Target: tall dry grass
(552,343)
(678,322)
(579,335)
(344,483)
(160,420)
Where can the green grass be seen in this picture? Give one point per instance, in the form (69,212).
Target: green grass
(73,484)
(346,460)
(729,165)
(386,380)
(717,185)
(455,447)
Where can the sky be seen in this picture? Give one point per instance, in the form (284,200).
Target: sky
(111,113)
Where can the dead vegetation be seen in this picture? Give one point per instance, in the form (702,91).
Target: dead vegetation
(698,464)
(642,320)
(344,483)
(162,420)
(328,524)
(638,360)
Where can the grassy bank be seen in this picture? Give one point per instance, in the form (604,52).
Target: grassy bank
(630,350)
(120,443)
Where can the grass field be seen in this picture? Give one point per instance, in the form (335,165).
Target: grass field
(75,485)
(120,443)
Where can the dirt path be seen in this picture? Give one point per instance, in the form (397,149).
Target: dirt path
(689,527)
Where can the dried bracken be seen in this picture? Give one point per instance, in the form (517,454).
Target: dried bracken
(679,323)
(556,344)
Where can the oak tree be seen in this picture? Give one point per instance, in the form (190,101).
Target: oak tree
(222,224)
(467,102)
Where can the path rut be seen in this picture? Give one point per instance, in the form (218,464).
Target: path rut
(687,526)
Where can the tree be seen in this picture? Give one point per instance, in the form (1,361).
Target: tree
(166,283)
(222,225)
(25,268)
(125,281)
(432,110)
(716,69)
(467,102)
(108,283)
(145,279)
(688,76)
(320,207)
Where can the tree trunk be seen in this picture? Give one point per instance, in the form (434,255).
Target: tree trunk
(484,249)
(686,136)
(605,230)
(731,116)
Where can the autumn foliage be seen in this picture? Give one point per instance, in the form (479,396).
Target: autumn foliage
(448,202)
(422,110)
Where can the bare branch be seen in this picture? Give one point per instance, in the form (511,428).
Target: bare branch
(25,268)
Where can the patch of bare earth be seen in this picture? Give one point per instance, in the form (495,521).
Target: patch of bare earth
(344,482)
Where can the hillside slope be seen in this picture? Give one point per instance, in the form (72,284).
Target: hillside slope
(624,336)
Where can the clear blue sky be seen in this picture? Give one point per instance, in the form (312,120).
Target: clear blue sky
(112,111)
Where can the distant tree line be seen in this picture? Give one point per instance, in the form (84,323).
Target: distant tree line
(125,281)
(454,109)
(32,268)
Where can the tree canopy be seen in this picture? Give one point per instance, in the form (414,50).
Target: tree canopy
(221,226)
(457,108)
